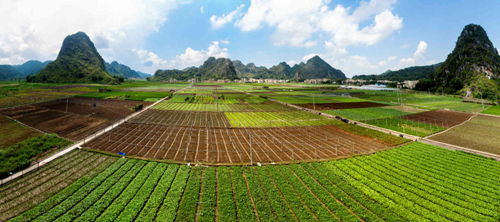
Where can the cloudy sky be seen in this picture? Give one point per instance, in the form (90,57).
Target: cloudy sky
(358,37)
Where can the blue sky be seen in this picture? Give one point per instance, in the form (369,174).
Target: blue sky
(358,37)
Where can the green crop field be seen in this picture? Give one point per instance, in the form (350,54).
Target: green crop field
(415,182)
(480,133)
(362,114)
(221,107)
(494,110)
(406,126)
(12,132)
(276,119)
(126,95)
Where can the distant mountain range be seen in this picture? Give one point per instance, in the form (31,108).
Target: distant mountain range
(223,68)
(410,73)
(10,72)
(116,69)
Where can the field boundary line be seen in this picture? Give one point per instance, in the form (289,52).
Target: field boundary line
(461,148)
(383,130)
(76,145)
(38,130)
(449,128)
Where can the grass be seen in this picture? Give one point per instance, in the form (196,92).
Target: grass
(12,132)
(20,155)
(493,110)
(415,182)
(406,126)
(480,133)
(362,114)
(126,95)
(276,119)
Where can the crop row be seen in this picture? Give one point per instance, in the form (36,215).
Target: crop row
(273,107)
(276,119)
(415,182)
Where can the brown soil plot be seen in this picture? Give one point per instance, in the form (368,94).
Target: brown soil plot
(233,145)
(439,117)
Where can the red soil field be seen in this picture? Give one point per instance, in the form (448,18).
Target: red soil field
(228,146)
(348,105)
(443,118)
(81,120)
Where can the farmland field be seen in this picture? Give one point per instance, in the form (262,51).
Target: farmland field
(36,187)
(480,133)
(12,132)
(213,153)
(415,182)
(73,118)
(494,110)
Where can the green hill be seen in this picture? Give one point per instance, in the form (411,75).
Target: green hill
(212,68)
(474,65)
(316,68)
(410,73)
(78,61)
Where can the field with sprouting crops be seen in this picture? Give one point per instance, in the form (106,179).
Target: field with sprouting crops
(415,182)
(254,152)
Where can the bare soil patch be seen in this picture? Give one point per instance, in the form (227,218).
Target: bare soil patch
(227,146)
(348,105)
(442,118)
(83,116)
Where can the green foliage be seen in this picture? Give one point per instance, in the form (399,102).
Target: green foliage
(20,155)
(316,68)
(414,182)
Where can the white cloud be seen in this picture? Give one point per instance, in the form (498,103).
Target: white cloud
(35,29)
(299,23)
(219,21)
(190,57)
(356,64)
(418,55)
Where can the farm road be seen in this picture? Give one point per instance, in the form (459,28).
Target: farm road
(75,145)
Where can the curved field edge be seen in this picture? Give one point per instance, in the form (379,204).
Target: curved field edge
(412,182)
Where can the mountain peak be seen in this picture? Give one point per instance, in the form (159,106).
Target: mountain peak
(473,59)
(78,61)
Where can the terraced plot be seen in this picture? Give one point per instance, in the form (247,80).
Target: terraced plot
(415,182)
(32,189)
